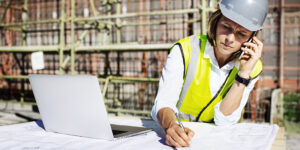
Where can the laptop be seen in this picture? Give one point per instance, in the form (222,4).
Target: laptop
(73,105)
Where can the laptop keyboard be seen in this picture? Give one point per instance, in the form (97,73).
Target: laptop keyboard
(117,132)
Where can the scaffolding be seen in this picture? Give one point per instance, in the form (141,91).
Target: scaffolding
(126,43)
(113,19)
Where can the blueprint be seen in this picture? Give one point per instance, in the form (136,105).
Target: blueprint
(246,136)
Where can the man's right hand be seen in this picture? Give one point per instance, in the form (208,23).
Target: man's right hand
(175,135)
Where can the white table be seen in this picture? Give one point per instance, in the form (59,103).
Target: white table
(246,136)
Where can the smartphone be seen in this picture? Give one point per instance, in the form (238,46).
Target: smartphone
(249,40)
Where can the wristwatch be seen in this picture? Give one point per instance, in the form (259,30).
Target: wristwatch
(242,80)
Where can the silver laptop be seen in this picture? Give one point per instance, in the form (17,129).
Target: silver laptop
(73,105)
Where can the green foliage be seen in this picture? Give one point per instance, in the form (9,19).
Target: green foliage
(292,107)
(292,127)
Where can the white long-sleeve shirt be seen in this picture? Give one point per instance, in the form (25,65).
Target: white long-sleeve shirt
(171,81)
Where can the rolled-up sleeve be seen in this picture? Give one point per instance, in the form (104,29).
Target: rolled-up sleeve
(220,119)
(170,83)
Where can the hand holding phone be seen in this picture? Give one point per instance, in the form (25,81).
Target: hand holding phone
(249,40)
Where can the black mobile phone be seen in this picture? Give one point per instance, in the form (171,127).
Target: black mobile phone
(249,40)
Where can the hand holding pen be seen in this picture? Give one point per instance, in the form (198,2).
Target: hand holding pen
(177,135)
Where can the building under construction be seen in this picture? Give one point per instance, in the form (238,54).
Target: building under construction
(126,42)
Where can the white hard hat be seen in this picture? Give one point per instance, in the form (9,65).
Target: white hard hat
(250,14)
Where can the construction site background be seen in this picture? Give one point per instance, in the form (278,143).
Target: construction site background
(126,42)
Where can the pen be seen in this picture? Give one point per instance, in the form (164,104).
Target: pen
(180,124)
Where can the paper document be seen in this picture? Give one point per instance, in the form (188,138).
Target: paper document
(245,136)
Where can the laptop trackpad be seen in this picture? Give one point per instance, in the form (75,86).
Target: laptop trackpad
(122,130)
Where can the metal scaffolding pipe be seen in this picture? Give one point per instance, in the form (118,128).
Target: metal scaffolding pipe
(72,37)
(120,47)
(25,18)
(81,37)
(62,37)
(118,23)
(30,23)
(112,79)
(29,48)
(15,102)
(83,21)
(116,79)
(281,74)
(118,110)
(154,13)
(13,77)
(203,17)
(123,47)
(95,12)
(160,23)
(24,43)
(14,29)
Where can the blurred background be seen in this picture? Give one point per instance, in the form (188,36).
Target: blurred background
(125,43)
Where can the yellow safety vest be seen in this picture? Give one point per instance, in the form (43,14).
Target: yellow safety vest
(196,102)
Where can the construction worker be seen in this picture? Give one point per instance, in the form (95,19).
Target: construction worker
(206,78)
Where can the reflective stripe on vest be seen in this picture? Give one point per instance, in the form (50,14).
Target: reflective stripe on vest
(195,101)
(191,70)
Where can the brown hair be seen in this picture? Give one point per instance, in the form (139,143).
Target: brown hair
(212,27)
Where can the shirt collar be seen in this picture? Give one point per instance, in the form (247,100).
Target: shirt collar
(209,53)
